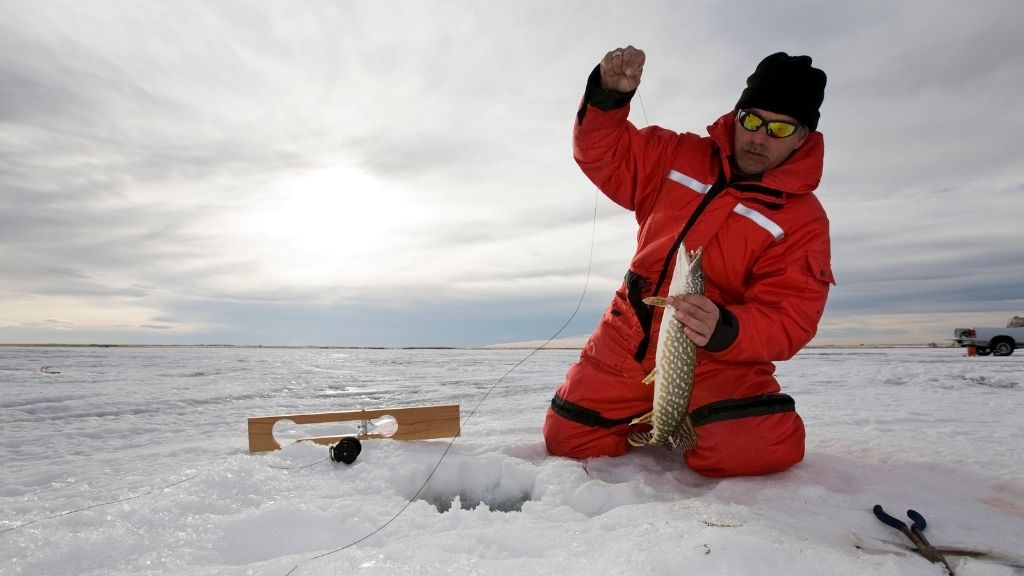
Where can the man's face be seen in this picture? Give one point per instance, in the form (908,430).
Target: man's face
(756,152)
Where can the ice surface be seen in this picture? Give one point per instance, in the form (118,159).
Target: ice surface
(163,431)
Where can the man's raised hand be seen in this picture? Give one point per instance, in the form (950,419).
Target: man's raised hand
(621,69)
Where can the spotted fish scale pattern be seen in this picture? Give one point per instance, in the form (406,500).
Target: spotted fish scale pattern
(675,362)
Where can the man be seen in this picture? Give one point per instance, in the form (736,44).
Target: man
(745,194)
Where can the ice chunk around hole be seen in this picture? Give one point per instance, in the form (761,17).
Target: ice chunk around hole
(467,482)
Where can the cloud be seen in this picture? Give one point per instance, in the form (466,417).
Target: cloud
(59,321)
(143,143)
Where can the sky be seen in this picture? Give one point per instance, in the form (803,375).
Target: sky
(400,173)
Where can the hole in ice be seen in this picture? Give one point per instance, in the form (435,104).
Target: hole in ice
(491,480)
(470,501)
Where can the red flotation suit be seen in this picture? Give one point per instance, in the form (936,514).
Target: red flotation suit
(766,263)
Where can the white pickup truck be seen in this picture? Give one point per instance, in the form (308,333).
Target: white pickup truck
(994,341)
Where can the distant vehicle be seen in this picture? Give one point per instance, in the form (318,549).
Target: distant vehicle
(994,341)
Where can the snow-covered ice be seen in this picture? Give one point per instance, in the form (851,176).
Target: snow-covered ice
(135,461)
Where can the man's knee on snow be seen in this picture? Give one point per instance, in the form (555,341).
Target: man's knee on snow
(574,440)
(750,446)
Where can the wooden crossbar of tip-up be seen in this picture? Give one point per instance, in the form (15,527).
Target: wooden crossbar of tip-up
(414,423)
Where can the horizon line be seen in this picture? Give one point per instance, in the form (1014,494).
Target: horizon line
(510,346)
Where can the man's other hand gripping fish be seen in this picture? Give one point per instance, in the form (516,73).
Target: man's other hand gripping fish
(674,364)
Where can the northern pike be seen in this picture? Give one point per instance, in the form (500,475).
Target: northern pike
(674,363)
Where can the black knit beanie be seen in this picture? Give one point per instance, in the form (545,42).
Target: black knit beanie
(787,85)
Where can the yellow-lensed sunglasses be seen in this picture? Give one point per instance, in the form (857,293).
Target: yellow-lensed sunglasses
(775,128)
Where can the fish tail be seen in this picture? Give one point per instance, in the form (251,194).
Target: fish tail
(640,439)
(686,438)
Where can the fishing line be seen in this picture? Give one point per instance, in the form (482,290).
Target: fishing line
(423,486)
(90,507)
(298,467)
(579,304)
(433,471)
(643,108)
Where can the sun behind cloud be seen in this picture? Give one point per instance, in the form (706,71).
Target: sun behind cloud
(336,224)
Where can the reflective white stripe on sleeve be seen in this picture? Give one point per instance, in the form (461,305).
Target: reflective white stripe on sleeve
(760,219)
(691,183)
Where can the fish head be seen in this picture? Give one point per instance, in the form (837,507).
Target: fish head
(688,276)
(694,258)
(697,269)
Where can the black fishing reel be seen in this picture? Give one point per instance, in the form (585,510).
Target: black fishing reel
(346,450)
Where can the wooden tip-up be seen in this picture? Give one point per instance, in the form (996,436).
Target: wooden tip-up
(414,423)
